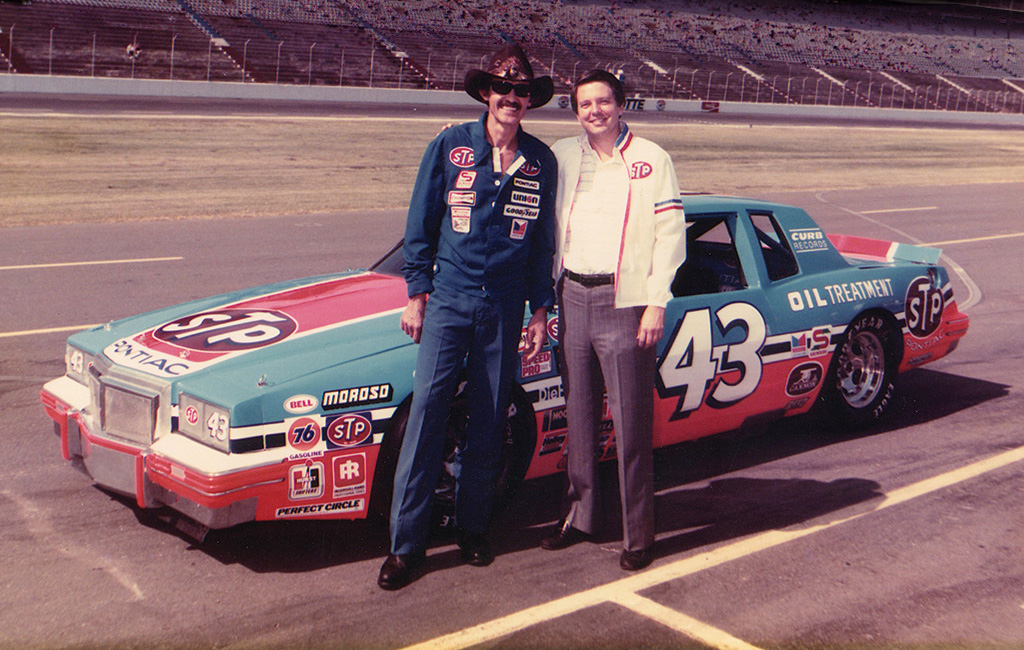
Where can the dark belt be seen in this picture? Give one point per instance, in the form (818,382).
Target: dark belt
(596,280)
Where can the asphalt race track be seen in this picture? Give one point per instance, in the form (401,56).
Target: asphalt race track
(796,536)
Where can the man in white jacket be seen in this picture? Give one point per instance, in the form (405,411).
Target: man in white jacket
(621,236)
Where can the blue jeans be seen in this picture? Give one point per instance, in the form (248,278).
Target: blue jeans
(482,336)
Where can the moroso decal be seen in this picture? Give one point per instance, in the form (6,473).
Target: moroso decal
(924,307)
(461,157)
(358,396)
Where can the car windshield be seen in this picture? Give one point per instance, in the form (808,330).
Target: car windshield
(391,263)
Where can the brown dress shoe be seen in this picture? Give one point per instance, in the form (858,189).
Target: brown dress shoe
(398,571)
(564,537)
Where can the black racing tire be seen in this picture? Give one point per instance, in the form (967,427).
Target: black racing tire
(520,441)
(861,386)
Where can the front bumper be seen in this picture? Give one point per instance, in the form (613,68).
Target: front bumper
(153,481)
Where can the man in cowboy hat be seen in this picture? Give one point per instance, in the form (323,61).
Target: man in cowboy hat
(479,241)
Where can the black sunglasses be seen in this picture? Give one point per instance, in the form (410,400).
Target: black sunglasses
(502,87)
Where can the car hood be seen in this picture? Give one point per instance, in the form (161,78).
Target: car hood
(267,326)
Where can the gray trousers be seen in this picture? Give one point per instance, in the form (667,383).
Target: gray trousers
(600,350)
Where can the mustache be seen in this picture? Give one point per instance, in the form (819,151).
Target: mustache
(511,103)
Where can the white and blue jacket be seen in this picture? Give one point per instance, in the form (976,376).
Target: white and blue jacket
(653,241)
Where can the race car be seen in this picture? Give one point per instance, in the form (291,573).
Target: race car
(290,401)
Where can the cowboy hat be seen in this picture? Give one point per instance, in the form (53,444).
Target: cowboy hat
(510,64)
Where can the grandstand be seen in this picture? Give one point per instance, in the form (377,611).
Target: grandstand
(946,56)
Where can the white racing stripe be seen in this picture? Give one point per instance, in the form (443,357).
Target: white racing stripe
(625,591)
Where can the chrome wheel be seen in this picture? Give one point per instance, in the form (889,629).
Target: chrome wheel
(861,369)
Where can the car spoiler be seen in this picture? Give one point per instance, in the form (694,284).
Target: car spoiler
(878,250)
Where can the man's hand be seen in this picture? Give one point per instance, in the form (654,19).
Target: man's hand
(412,317)
(652,326)
(536,333)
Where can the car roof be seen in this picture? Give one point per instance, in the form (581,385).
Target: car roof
(700,203)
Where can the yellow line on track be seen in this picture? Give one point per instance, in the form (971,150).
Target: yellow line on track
(93,263)
(624,591)
(49,330)
(683,624)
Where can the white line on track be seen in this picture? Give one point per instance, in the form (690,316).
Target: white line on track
(934,207)
(51,265)
(976,239)
(48,330)
(625,591)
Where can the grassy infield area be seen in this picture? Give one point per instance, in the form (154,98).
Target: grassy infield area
(82,169)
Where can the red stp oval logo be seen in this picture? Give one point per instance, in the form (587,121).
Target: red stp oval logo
(228,330)
(529,169)
(640,170)
(349,430)
(461,157)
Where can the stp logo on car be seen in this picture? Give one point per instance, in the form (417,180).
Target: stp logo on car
(925,305)
(348,430)
(227,330)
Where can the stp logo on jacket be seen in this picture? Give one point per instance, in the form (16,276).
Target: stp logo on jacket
(461,157)
(640,169)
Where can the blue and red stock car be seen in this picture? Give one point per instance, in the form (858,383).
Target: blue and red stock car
(289,401)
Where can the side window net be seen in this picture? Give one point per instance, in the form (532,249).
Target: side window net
(712,265)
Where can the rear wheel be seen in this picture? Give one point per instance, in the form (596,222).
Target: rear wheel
(861,384)
(520,440)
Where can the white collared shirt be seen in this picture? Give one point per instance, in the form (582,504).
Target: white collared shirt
(597,215)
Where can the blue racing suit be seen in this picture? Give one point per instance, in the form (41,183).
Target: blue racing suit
(481,243)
